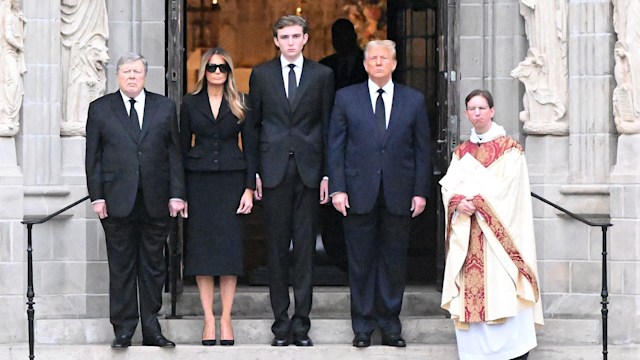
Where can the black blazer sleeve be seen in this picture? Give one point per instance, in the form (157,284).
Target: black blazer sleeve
(250,138)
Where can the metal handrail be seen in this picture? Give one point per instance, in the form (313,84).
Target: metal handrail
(30,292)
(604,294)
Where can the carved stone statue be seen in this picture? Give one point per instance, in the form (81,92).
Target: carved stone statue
(84,54)
(626,95)
(12,66)
(544,72)
(540,102)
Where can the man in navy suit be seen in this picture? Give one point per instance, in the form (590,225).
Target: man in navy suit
(290,100)
(379,173)
(136,182)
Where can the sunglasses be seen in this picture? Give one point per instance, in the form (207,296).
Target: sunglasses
(224,68)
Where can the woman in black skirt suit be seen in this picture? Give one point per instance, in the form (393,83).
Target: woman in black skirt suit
(220,184)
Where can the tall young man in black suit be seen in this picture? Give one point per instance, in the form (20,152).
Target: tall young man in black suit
(290,101)
(379,169)
(136,182)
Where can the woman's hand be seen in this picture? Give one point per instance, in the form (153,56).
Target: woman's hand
(246,202)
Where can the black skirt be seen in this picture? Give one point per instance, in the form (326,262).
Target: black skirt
(214,232)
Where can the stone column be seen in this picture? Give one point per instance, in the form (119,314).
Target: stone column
(491,42)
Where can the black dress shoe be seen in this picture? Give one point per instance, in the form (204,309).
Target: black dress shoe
(280,340)
(210,342)
(302,340)
(393,340)
(159,341)
(227,342)
(121,342)
(361,340)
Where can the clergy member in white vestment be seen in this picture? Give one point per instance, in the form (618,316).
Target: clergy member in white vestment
(491,287)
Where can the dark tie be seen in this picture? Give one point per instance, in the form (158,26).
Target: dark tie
(293,85)
(380,118)
(133,115)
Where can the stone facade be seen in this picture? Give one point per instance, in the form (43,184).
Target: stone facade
(592,170)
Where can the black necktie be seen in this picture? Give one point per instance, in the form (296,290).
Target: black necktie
(380,118)
(133,115)
(293,85)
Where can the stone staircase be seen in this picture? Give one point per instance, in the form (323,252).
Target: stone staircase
(429,333)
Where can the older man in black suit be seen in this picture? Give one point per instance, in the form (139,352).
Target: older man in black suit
(136,182)
(379,169)
(290,101)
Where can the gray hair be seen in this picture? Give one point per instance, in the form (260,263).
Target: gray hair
(290,20)
(129,58)
(389,44)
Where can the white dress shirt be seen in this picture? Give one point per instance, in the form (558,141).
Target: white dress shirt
(387,98)
(284,63)
(140,100)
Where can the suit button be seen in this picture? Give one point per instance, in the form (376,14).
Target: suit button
(215,161)
(382,151)
(378,172)
(140,153)
(215,153)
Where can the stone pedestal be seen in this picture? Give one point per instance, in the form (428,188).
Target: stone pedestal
(73,151)
(624,243)
(8,161)
(12,251)
(547,158)
(627,168)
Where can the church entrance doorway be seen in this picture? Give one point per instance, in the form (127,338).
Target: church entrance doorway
(243,28)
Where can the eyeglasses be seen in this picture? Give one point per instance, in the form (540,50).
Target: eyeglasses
(224,68)
(481,109)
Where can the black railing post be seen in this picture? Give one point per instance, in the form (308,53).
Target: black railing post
(604,294)
(30,293)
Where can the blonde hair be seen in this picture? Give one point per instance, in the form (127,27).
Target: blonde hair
(231,93)
(388,44)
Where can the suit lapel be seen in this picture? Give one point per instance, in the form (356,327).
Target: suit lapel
(369,115)
(117,104)
(275,70)
(224,109)
(303,85)
(203,106)
(396,108)
(150,110)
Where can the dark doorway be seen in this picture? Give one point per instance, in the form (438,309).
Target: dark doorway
(415,26)
(419,29)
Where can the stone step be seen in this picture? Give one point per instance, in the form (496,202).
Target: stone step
(416,330)
(318,352)
(328,302)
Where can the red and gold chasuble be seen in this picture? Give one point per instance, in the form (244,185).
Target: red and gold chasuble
(466,288)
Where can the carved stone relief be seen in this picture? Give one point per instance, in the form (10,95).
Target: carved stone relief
(626,101)
(12,66)
(84,55)
(544,72)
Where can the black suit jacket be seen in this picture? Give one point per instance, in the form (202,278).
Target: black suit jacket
(120,159)
(301,128)
(360,157)
(216,140)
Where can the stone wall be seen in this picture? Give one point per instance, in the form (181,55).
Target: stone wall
(574,170)
(592,170)
(41,172)
(491,42)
